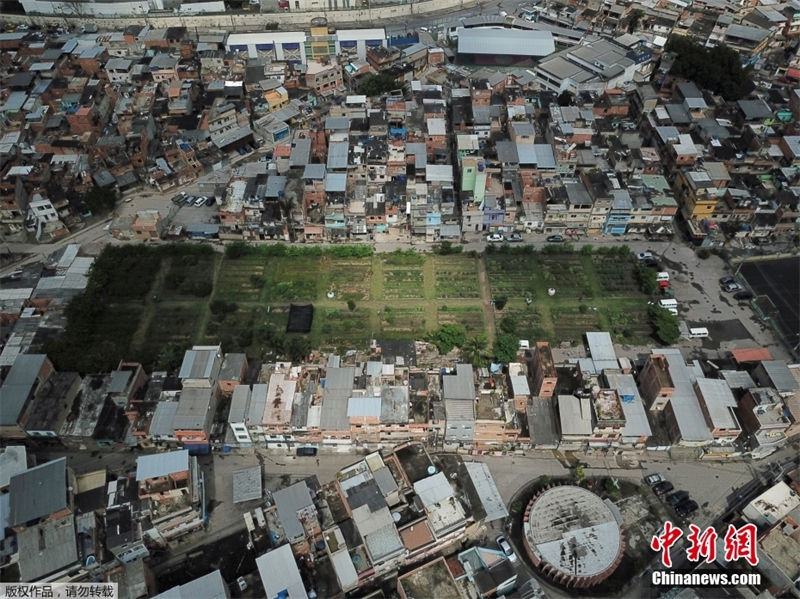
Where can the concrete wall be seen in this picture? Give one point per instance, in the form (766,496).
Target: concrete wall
(257,21)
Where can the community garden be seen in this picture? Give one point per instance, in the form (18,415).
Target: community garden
(151,303)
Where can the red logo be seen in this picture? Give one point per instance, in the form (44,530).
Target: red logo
(664,541)
(741,543)
(702,544)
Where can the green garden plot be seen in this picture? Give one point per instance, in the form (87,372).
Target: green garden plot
(456,277)
(342,328)
(469,317)
(513,276)
(173,326)
(351,278)
(242,279)
(615,275)
(294,278)
(402,322)
(401,282)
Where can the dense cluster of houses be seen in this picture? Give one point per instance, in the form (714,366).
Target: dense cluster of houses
(750,405)
(380,514)
(456,151)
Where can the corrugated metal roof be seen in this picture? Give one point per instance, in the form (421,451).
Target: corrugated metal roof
(161,464)
(575,414)
(460,385)
(163,419)
(433,489)
(280,575)
(198,363)
(209,586)
(38,492)
(364,407)
(18,385)
(337,155)
(338,389)
(288,502)
(492,502)
(240,402)
(685,406)
(601,349)
(542,423)
(501,41)
(780,375)
(719,402)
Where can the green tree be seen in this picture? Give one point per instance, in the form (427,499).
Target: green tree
(634,19)
(448,336)
(296,348)
(565,98)
(505,348)
(579,473)
(237,249)
(99,199)
(647,278)
(379,84)
(500,302)
(351,305)
(718,69)
(666,325)
(473,351)
(508,324)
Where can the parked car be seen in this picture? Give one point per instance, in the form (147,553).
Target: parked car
(555,239)
(515,237)
(506,548)
(200,201)
(190,200)
(686,508)
(743,296)
(211,201)
(654,479)
(241,583)
(644,255)
(730,287)
(677,497)
(662,488)
(726,280)
(494,238)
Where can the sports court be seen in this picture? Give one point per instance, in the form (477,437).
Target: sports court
(778,280)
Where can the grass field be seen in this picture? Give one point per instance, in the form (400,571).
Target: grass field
(243,301)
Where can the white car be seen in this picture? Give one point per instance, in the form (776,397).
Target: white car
(506,548)
(200,201)
(494,238)
(644,256)
(654,479)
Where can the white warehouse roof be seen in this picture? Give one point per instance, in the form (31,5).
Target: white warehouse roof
(500,41)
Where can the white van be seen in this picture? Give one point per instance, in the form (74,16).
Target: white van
(662,276)
(668,303)
(698,333)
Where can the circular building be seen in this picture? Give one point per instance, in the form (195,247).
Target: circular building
(572,536)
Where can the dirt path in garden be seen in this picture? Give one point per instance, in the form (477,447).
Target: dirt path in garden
(429,293)
(486,301)
(376,291)
(150,306)
(206,313)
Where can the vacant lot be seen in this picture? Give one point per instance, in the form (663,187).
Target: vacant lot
(188,296)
